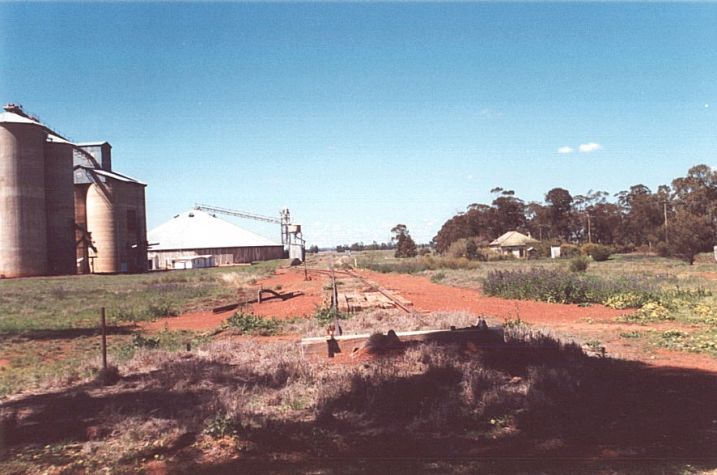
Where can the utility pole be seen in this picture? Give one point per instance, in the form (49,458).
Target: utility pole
(664,203)
(590,236)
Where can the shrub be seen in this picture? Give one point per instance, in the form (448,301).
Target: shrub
(537,284)
(568,251)
(467,248)
(662,249)
(253,325)
(623,248)
(579,264)
(650,312)
(420,264)
(598,252)
(327,315)
(220,426)
(542,248)
(493,256)
(139,341)
(162,309)
(627,300)
(567,287)
(601,253)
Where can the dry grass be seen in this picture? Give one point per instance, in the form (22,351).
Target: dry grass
(383,320)
(234,402)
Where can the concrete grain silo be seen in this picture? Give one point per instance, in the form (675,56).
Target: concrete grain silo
(23,229)
(111,208)
(101,222)
(60,209)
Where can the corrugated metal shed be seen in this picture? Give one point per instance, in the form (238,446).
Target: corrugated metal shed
(199,230)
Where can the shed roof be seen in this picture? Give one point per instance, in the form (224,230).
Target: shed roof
(83,176)
(57,139)
(117,176)
(199,230)
(93,144)
(513,239)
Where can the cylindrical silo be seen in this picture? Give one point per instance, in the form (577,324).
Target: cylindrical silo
(101,223)
(23,230)
(60,207)
(82,250)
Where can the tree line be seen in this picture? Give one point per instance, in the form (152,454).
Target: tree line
(679,219)
(360,246)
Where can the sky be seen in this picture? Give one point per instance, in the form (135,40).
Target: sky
(360,116)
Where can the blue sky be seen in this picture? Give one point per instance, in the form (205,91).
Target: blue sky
(361,116)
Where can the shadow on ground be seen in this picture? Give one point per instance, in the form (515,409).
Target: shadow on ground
(65,333)
(517,406)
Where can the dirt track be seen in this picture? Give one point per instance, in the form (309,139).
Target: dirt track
(581,323)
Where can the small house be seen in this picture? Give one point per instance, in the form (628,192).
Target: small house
(515,243)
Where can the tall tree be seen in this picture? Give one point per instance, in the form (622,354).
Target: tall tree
(690,234)
(643,215)
(405,245)
(559,203)
(538,220)
(507,213)
(697,192)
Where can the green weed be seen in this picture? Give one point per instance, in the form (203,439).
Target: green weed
(702,342)
(220,426)
(326,315)
(252,325)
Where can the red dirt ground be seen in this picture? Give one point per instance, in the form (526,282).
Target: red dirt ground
(289,280)
(188,321)
(429,297)
(583,323)
(292,280)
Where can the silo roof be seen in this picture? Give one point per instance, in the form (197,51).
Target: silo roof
(199,230)
(12,117)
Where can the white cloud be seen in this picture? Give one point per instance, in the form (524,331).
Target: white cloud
(566,149)
(589,147)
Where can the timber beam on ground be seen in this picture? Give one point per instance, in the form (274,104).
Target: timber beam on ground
(485,336)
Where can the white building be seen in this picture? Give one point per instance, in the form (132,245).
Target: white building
(199,239)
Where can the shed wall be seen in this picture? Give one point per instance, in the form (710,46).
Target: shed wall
(222,256)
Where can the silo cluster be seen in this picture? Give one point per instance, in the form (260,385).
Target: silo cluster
(62,208)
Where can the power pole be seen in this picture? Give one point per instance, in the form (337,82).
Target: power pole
(590,236)
(664,203)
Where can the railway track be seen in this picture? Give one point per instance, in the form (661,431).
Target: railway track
(354,275)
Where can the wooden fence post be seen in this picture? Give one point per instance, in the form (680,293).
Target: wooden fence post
(103,323)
